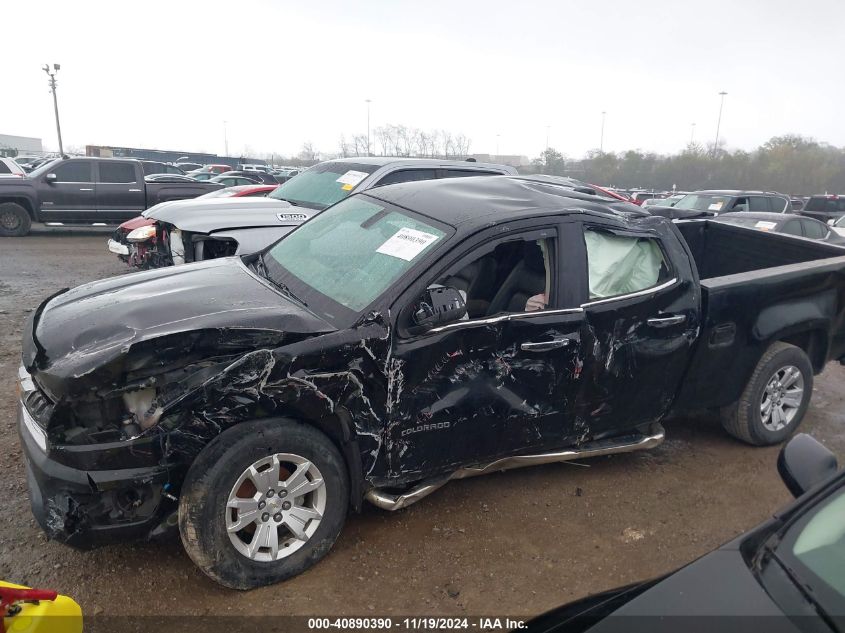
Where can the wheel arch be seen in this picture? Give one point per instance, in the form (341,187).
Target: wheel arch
(804,323)
(24,201)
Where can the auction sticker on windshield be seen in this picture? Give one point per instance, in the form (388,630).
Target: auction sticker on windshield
(352,177)
(765,226)
(406,244)
(716,206)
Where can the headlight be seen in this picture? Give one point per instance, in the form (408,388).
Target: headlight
(143,407)
(142,234)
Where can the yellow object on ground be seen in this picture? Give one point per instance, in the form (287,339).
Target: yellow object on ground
(61,615)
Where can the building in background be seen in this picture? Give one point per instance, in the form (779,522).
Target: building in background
(20,145)
(168,156)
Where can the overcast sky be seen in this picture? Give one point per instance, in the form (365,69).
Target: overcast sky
(167,74)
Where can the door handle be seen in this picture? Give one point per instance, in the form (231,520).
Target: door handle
(134,190)
(667,321)
(544,346)
(86,189)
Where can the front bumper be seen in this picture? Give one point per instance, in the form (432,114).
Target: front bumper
(88,508)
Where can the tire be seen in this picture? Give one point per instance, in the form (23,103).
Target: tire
(746,419)
(216,481)
(14,220)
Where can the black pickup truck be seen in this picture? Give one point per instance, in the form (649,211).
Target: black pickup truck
(85,191)
(406,336)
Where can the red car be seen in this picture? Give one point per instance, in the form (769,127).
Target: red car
(135,239)
(612,194)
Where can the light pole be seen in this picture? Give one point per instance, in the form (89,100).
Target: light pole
(719,121)
(368,126)
(52,84)
(497,145)
(225,139)
(547,137)
(692,134)
(601,141)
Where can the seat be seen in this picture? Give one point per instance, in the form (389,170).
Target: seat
(476,280)
(528,278)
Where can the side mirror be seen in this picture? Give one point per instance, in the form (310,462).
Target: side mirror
(439,305)
(51,178)
(831,222)
(803,463)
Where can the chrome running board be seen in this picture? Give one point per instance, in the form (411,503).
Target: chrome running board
(609,446)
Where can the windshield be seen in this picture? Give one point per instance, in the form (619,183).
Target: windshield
(834,205)
(813,549)
(703,202)
(350,254)
(322,185)
(43,169)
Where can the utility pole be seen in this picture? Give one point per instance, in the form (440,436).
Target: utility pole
(225,139)
(719,121)
(52,85)
(692,134)
(601,141)
(369,153)
(547,137)
(497,145)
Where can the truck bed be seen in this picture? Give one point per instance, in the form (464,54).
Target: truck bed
(758,288)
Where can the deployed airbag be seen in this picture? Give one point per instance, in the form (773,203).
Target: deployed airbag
(620,265)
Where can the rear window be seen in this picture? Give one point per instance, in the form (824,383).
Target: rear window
(834,205)
(620,264)
(117,173)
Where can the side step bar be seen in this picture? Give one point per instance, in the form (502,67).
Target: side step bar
(622,444)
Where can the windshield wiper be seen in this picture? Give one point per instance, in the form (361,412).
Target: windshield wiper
(260,267)
(287,291)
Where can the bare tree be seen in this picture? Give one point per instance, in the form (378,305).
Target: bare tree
(308,152)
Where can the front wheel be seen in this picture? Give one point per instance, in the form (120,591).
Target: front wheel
(774,400)
(263,502)
(14,220)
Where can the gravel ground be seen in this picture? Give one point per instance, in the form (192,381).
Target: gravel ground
(515,543)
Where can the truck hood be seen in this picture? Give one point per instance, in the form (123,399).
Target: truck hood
(88,338)
(217,214)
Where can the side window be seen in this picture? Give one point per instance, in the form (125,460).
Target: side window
(4,168)
(407,175)
(814,230)
(741,204)
(620,264)
(793,227)
(781,205)
(117,173)
(463,173)
(74,171)
(515,276)
(758,203)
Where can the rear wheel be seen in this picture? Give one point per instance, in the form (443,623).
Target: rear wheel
(14,220)
(776,398)
(263,502)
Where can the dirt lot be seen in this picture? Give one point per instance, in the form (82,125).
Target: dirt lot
(516,543)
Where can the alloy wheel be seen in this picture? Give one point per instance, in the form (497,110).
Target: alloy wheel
(782,398)
(275,507)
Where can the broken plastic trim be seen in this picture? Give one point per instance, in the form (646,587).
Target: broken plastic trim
(621,444)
